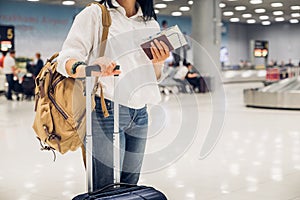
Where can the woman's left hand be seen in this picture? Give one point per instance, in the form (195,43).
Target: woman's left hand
(160,52)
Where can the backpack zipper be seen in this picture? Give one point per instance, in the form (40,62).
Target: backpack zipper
(59,109)
(51,90)
(57,81)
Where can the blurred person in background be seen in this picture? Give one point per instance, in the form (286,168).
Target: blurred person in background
(289,64)
(193,77)
(2,58)
(164,24)
(39,64)
(224,57)
(9,68)
(242,64)
(282,64)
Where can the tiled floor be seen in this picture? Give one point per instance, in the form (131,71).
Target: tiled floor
(256,158)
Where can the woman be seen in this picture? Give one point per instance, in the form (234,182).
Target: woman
(133,21)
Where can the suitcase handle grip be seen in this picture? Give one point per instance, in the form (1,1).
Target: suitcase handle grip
(96,68)
(117,68)
(112,186)
(92,68)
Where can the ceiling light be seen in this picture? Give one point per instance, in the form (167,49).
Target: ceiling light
(247,15)
(190,2)
(160,5)
(276,5)
(184,8)
(156,11)
(176,13)
(264,17)
(295,14)
(235,19)
(295,7)
(294,21)
(33,0)
(279,19)
(256,1)
(222,5)
(68,3)
(251,21)
(260,10)
(278,12)
(168,0)
(266,23)
(240,8)
(228,13)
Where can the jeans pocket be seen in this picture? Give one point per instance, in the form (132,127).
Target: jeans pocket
(141,118)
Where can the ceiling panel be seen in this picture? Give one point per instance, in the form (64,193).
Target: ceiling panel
(230,6)
(286,8)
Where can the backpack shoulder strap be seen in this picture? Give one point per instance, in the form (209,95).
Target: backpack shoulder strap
(106,23)
(55,55)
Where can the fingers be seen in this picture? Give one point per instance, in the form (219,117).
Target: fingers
(116,72)
(166,48)
(160,51)
(155,52)
(159,46)
(109,69)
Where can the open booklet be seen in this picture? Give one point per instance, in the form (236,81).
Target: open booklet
(172,36)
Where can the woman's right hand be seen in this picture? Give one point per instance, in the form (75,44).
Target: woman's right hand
(107,67)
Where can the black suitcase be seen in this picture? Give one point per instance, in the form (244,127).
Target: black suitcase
(123,192)
(205,84)
(118,191)
(28,84)
(17,87)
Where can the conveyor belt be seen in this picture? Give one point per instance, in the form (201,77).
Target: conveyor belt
(233,76)
(285,94)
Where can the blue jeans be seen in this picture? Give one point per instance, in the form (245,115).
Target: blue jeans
(133,128)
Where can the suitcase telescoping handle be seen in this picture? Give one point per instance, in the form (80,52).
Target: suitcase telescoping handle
(89,142)
(116,137)
(89,86)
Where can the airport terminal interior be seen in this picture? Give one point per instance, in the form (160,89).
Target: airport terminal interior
(231,132)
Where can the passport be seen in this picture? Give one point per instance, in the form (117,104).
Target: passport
(172,37)
(147,45)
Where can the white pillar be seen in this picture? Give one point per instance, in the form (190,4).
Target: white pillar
(206,35)
(206,31)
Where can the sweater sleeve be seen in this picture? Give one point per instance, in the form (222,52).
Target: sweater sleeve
(83,35)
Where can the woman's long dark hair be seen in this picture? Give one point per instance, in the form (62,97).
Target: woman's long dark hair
(146,5)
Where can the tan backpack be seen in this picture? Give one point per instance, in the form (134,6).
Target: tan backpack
(60,104)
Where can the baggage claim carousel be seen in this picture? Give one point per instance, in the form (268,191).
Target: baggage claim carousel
(284,94)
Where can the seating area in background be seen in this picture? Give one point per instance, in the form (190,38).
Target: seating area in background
(171,85)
